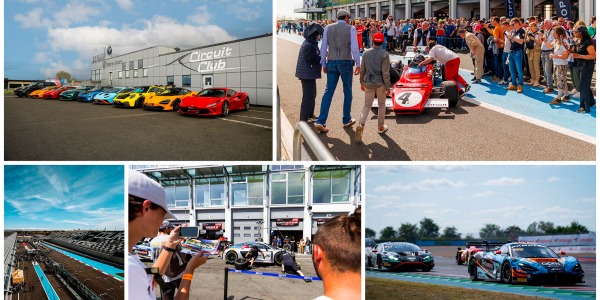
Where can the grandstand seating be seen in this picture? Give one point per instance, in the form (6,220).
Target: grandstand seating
(108,245)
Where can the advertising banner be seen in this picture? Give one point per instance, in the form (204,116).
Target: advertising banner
(510,8)
(563,8)
(561,240)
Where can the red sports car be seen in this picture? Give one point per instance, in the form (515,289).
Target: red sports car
(54,94)
(214,102)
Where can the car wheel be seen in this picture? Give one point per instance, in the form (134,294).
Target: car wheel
(140,103)
(369,263)
(473,272)
(506,275)
(231,257)
(427,269)
(176,105)
(278,259)
(225,109)
(247,104)
(451,92)
(379,263)
(241,264)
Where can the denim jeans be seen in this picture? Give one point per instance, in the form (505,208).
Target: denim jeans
(335,70)
(505,67)
(497,58)
(515,59)
(586,70)
(548,68)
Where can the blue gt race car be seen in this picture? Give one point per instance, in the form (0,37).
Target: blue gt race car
(108,96)
(89,95)
(526,263)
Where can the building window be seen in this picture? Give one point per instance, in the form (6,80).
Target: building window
(140,63)
(186,80)
(236,235)
(131,65)
(178,193)
(210,191)
(247,190)
(135,73)
(170,80)
(127,74)
(120,74)
(287,188)
(123,66)
(247,228)
(247,235)
(331,186)
(145,72)
(236,228)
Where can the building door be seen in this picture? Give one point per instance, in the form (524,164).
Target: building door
(207,81)
(110,78)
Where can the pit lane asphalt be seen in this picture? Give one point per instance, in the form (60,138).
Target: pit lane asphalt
(52,130)
(208,282)
(468,132)
(446,271)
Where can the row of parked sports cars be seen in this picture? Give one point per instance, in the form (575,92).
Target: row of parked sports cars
(506,262)
(207,102)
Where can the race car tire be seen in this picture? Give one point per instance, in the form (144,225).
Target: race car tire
(506,273)
(287,247)
(241,264)
(278,259)
(231,257)
(176,104)
(225,109)
(247,104)
(140,102)
(443,72)
(379,264)
(427,269)
(473,273)
(451,92)
(369,263)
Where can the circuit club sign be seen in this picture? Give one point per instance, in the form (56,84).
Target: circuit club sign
(211,61)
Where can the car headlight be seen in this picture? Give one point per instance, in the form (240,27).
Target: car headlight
(427,259)
(165,101)
(527,268)
(393,257)
(213,104)
(577,268)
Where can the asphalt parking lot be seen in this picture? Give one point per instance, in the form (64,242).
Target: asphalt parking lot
(208,282)
(52,130)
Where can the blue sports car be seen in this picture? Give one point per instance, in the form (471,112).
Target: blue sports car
(89,95)
(524,263)
(108,96)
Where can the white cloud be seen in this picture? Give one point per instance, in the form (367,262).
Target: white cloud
(504,181)
(553,179)
(73,12)
(202,15)
(424,185)
(33,19)
(125,4)
(159,30)
(248,14)
(586,200)
(484,194)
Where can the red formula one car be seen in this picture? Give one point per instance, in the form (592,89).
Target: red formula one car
(214,102)
(414,89)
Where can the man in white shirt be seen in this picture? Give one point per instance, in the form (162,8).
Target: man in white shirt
(449,59)
(391,32)
(547,48)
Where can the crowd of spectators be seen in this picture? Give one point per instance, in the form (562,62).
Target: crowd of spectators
(541,53)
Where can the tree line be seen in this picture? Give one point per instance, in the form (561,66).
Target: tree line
(427,229)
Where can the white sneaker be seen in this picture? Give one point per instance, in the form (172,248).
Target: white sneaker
(382,130)
(502,82)
(576,95)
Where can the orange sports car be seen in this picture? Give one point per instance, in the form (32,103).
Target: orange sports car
(167,99)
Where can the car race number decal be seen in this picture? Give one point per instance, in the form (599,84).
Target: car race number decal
(409,99)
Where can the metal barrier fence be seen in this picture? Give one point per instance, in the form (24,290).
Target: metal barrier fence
(302,130)
(277,118)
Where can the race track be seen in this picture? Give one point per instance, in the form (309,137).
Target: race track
(481,128)
(447,272)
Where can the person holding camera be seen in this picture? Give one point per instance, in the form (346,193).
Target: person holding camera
(515,57)
(533,50)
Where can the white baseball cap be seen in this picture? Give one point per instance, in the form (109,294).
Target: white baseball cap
(142,186)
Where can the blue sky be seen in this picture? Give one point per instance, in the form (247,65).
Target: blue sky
(468,197)
(42,37)
(64,197)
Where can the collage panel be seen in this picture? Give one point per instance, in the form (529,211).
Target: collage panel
(485,231)
(64,232)
(138,81)
(244,231)
(385,80)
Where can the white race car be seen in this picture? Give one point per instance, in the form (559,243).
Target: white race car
(272,255)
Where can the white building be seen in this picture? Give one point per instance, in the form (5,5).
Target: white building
(250,202)
(243,65)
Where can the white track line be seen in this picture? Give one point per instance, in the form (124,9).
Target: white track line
(240,116)
(261,111)
(257,125)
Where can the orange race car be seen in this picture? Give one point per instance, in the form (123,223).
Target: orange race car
(167,99)
(39,93)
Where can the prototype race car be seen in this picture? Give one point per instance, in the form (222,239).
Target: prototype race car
(272,255)
(167,99)
(525,262)
(108,96)
(89,95)
(137,97)
(465,255)
(413,87)
(54,94)
(393,256)
(214,102)
(72,94)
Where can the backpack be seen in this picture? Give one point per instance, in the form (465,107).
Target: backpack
(177,264)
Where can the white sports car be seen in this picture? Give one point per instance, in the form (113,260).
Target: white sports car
(272,255)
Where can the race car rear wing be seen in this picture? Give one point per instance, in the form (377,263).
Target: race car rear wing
(485,245)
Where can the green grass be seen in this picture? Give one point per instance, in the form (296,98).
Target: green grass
(377,288)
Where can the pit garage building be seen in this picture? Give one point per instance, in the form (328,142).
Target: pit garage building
(250,202)
(243,65)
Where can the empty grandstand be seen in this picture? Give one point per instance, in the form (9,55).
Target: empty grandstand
(104,245)
(10,249)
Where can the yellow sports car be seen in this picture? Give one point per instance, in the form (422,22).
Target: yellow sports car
(137,97)
(167,99)
(39,93)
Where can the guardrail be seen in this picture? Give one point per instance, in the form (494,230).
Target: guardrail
(302,130)
(277,118)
